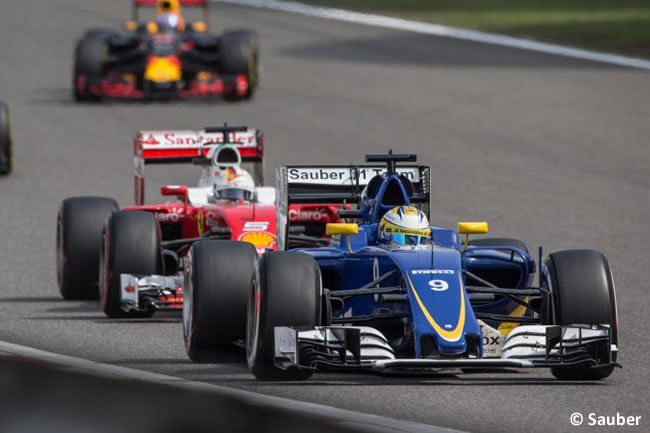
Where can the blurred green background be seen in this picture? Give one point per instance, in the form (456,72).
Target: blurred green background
(621,26)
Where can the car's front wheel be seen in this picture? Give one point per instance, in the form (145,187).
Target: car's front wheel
(286,291)
(130,245)
(218,274)
(582,293)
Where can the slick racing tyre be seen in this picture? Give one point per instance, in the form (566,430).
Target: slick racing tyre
(78,243)
(89,58)
(130,245)
(582,293)
(286,291)
(6,151)
(240,56)
(500,242)
(218,276)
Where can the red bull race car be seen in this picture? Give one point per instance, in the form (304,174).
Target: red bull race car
(142,249)
(165,58)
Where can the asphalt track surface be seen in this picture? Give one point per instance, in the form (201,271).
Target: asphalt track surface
(548,149)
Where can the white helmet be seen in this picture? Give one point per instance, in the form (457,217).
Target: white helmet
(233,183)
(404,225)
(168,22)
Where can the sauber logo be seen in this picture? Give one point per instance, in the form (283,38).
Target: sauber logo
(314,215)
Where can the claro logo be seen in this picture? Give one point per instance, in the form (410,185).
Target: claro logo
(313,215)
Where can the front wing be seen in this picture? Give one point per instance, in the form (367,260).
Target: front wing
(365,348)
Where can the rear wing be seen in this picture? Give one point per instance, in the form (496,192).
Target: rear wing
(328,184)
(184,146)
(170,6)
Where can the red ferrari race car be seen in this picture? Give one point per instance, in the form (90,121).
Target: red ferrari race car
(143,249)
(165,58)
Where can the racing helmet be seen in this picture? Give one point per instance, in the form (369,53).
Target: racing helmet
(404,225)
(232,184)
(168,22)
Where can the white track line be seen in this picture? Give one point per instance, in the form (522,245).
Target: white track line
(331,415)
(444,31)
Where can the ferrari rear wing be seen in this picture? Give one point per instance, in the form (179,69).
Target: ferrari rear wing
(184,146)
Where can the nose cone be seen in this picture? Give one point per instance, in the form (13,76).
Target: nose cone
(163,70)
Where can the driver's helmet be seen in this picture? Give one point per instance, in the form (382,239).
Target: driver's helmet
(404,225)
(168,22)
(233,184)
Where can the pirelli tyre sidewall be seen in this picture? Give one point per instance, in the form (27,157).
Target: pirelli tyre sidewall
(80,221)
(583,292)
(6,151)
(217,277)
(286,291)
(130,245)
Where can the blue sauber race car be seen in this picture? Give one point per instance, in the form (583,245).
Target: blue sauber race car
(391,293)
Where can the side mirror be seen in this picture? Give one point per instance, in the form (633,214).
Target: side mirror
(174,190)
(199,27)
(471,228)
(341,228)
(130,26)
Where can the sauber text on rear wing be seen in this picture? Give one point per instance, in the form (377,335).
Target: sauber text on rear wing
(184,146)
(337,184)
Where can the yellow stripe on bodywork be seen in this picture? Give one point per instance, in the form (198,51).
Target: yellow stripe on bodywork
(453,335)
(506,327)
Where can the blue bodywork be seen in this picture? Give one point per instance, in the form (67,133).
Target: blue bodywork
(435,316)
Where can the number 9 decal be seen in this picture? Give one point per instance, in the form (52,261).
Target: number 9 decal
(438,285)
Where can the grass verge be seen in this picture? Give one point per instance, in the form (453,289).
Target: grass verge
(621,26)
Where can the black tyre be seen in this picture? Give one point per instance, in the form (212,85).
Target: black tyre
(6,151)
(583,293)
(240,56)
(78,243)
(218,276)
(130,245)
(89,58)
(286,291)
(98,33)
(500,242)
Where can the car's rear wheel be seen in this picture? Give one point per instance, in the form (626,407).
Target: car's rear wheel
(6,151)
(582,293)
(78,243)
(239,52)
(218,276)
(89,58)
(130,245)
(286,291)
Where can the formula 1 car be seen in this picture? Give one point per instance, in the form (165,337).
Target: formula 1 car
(6,158)
(166,58)
(142,249)
(445,305)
